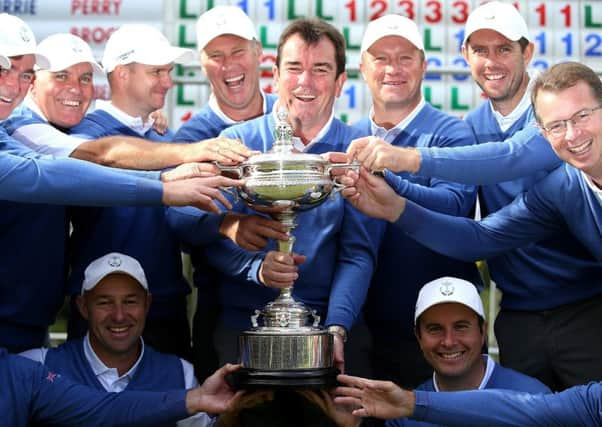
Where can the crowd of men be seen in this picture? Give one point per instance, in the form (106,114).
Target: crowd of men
(388,265)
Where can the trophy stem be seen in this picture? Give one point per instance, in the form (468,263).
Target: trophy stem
(288,220)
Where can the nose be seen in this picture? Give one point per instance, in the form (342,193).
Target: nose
(118,313)
(167,81)
(448,339)
(571,130)
(305,77)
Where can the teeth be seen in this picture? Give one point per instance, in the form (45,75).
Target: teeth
(235,79)
(306,97)
(7,100)
(71,103)
(451,355)
(235,82)
(494,76)
(580,148)
(118,330)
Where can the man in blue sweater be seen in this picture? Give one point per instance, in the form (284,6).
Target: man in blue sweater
(451,330)
(567,100)
(31,297)
(230,56)
(113,357)
(393,65)
(138,60)
(333,274)
(576,406)
(555,284)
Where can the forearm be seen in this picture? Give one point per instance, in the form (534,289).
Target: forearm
(133,153)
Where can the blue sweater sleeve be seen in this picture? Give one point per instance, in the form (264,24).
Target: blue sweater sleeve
(577,406)
(525,220)
(194,226)
(56,400)
(523,154)
(70,181)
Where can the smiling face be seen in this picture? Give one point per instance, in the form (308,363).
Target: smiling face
(116,310)
(499,67)
(393,69)
(307,83)
(142,88)
(64,96)
(15,82)
(231,64)
(451,340)
(581,145)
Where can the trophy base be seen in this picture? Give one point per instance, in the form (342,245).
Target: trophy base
(252,379)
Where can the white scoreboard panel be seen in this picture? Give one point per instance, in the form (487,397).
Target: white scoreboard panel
(561,30)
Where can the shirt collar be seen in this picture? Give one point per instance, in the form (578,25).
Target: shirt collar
(505,122)
(297,142)
(592,185)
(135,123)
(214,106)
(31,104)
(99,368)
(389,135)
(489,366)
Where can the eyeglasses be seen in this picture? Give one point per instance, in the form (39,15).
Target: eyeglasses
(557,129)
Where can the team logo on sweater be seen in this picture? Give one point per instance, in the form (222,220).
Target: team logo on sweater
(52,376)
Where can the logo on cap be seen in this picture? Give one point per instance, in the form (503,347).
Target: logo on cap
(24,34)
(393,26)
(446,289)
(114,261)
(221,21)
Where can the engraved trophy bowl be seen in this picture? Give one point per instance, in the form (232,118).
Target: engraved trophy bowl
(288,347)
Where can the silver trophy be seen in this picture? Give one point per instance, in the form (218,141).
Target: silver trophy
(286,346)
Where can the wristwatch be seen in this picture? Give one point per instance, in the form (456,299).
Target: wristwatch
(338,330)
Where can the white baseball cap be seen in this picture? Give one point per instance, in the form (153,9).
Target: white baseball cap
(4,62)
(64,50)
(223,20)
(391,25)
(142,44)
(501,17)
(111,263)
(16,39)
(448,289)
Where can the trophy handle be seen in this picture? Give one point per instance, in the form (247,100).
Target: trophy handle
(355,165)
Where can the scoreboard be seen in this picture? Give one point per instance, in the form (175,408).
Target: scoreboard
(561,30)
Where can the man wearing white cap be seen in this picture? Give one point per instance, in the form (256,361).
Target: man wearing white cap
(552,291)
(230,56)
(113,357)
(31,297)
(138,60)
(393,65)
(451,329)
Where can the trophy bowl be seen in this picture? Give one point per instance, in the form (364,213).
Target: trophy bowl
(289,347)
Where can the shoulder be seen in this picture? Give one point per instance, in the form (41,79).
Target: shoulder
(510,379)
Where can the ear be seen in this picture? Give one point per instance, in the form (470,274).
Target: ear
(80,301)
(340,82)
(528,54)
(465,52)
(275,78)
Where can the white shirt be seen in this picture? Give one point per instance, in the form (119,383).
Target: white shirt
(489,365)
(44,138)
(505,122)
(214,106)
(135,123)
(593,186)
(389,135)
(111,381)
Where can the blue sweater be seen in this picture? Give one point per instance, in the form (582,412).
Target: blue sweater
(561,204)
(535,276)
(31,392)
(334,236)
(578,406)
(501,378)
(139,232)
(404,265)
(206,124)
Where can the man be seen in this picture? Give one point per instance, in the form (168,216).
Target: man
(393,66)
(576,406)
(138,60)
(547,282)
(335,241)
(230,57)
(115,300)
(32,393)
(567,100)
(29,307)
(451,330)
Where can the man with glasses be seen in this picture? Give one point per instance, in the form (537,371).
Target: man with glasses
(567,100)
